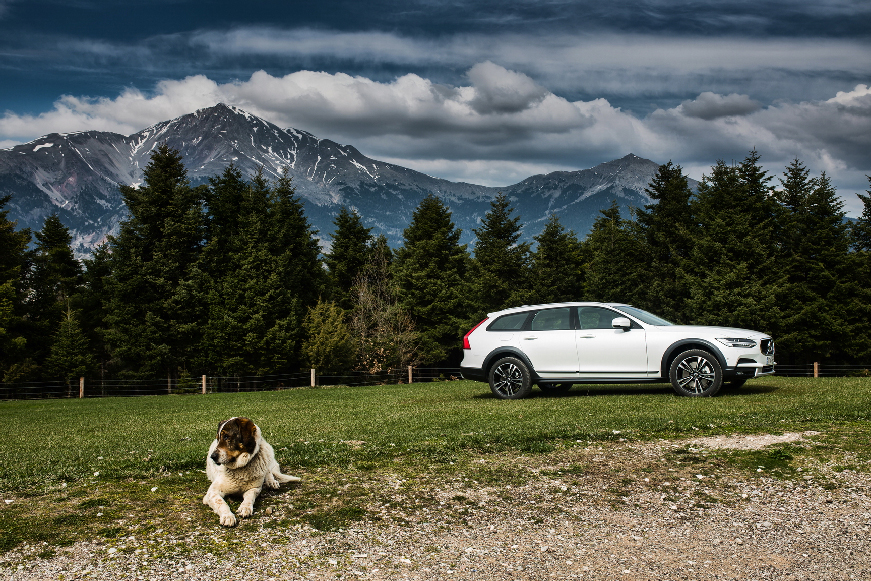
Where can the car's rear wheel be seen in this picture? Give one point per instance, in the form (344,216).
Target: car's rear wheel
(510,379)
(554,388)
(696,373)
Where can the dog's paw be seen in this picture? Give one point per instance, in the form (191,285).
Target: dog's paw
(245,510)
(228,520)
(271,482)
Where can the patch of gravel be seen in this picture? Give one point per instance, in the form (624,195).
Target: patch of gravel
(618,511)
(754,442)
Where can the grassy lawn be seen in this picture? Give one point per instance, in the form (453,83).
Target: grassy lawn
(78,469)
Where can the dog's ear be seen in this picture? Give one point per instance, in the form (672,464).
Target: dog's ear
(248,430)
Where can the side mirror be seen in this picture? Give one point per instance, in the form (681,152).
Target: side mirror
(621,323)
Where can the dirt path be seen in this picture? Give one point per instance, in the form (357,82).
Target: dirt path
(658,511)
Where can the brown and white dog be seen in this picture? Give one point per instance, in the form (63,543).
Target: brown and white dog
(240,461)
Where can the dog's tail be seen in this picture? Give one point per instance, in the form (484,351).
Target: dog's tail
(284,477)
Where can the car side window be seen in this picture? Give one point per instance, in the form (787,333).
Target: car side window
(553,320)
(596,317)
(513,322)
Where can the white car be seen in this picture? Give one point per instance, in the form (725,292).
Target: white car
(557,345)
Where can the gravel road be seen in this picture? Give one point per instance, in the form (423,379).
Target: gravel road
(615,511)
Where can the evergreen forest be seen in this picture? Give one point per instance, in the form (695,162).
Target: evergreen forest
(230,279)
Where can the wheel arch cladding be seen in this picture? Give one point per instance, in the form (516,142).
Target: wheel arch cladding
(679,347)
(498,354)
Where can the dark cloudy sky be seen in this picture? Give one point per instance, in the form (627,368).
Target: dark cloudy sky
(485,91)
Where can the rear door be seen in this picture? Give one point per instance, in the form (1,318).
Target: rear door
(550,341)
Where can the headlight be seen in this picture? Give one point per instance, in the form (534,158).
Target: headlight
(743,343)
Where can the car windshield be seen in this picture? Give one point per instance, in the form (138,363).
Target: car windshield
(643,316)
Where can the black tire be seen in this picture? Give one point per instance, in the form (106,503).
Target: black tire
(554,388)
(510,379)
(696,373)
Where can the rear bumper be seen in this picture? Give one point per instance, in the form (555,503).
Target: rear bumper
(473,373)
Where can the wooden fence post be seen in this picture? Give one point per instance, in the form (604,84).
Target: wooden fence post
(409,374)
(204,385)
(816,368)
(81,387)
(314,378)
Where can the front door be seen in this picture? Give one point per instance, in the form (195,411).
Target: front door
(605,350)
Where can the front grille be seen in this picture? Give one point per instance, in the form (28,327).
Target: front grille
(767,346)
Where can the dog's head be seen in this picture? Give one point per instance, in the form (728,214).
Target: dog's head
(238,442)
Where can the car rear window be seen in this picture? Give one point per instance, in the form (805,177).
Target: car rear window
(512,322)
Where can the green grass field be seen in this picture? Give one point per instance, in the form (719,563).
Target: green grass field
(64,461)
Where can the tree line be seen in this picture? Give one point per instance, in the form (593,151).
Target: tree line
(229,278)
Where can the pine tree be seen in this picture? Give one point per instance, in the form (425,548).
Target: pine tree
(54,278)
(70,356)
(93,302)
(500,268)
(859,310)
(156,306)
(263,274)
(667,230)
(814,254)
(14,262)
(329,344)
(731,271)
(557,266)
(348,254)
(614,268)
(430,270)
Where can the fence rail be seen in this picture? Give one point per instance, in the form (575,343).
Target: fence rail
(205,384)
(220,384)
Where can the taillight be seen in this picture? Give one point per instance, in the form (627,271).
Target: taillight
(466,336)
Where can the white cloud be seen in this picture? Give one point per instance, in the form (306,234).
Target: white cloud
(499,127)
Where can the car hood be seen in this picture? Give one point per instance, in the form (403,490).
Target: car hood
(730,332)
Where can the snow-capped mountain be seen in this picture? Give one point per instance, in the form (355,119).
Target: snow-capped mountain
(77,175)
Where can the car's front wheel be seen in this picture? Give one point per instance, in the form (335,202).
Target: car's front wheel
(510,379)
(696,373)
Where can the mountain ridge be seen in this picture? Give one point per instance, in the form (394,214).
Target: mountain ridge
(77,176)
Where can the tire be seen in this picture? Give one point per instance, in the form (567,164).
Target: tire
(554,388)
(510,379)
(696,373)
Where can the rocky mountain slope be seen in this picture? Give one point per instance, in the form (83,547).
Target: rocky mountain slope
(77,175)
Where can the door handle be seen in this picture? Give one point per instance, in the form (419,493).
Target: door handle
(586,336)
(530,338)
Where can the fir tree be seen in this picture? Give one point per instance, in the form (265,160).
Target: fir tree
(14,263)
(814,251)
(329,344)
(500,268)
(859,310)
(70,356)
(557,265)
(263,275)
(430,270)
(54,278)
(731,271)
(156,305)
(348,254)
(614,266)
(667,230)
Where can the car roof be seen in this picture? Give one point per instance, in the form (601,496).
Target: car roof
(524,308)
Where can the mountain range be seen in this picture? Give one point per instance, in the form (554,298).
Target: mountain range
(77,175)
